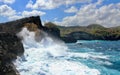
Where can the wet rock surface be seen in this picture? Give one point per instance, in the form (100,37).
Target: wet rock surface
(11,45)
(10,48)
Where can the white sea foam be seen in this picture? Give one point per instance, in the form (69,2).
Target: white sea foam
(88,55)
(48,58)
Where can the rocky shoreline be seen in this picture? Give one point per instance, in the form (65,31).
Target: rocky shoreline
(11,46)
(90,32)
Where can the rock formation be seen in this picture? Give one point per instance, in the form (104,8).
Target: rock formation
(10,48)
(10,44)
(15,26)
(79,35)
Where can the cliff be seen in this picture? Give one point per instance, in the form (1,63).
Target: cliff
(90,32)
(15,26)
(10,44)
(10,48)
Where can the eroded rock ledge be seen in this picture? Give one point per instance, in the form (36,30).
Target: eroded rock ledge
(10,48)
(10,44)
(15,26)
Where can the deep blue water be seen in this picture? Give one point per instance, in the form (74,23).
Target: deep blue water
(101,55)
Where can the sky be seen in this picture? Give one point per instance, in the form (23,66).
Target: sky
(63,12)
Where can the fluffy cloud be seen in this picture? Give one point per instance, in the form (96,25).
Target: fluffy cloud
(27,14)
(11,14)
(6,11)
(72,9)
(7,1)
(51,4)
(107,15)
(33,13)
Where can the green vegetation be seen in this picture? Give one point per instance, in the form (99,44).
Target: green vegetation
(50,25)
(94,29)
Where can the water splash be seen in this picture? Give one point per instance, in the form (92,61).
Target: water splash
(48,57)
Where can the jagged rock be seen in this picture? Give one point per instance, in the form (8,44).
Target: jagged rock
(10,48)
(52,31)
(15,26)
(10,44)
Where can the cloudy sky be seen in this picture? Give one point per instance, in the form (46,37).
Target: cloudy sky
(64,12)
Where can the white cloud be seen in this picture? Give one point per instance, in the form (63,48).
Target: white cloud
(11,14)
(6,11)
(51,4)
(27,14)
(72,9)
(33,13)
(8,1)
(14,17)
(107,15)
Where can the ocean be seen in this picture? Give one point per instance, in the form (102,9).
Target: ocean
(51,57)
(101,55)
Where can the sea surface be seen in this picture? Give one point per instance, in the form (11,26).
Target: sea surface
(101,55)
(52,57)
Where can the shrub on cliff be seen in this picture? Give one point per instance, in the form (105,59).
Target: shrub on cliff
(50,25)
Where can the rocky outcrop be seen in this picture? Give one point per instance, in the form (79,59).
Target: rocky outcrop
(10,44)
(15,26)
(68,39)
(81,35)
(53,31)
(10,48)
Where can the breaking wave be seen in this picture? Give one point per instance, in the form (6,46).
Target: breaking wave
(48,57)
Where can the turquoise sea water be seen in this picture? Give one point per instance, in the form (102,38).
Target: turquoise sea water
(101,55)
(53,57)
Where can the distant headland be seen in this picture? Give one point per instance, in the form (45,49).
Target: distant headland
(90,32)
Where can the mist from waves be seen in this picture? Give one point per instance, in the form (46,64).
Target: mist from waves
(48,57)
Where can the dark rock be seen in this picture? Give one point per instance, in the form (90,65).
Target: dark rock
(80,35)
(68,39)
(15,26)
(10,44)
(52,31)
(10,48)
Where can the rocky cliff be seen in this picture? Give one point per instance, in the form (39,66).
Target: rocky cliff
(91,32)
(15,26)
(10,44)
(10,48)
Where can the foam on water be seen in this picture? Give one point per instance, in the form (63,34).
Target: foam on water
(48,58)
(88,55)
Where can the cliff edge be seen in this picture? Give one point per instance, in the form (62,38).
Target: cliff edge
(11,45)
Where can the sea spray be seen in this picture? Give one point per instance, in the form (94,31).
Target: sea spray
(48,57)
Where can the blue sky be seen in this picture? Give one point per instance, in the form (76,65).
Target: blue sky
(64,12)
